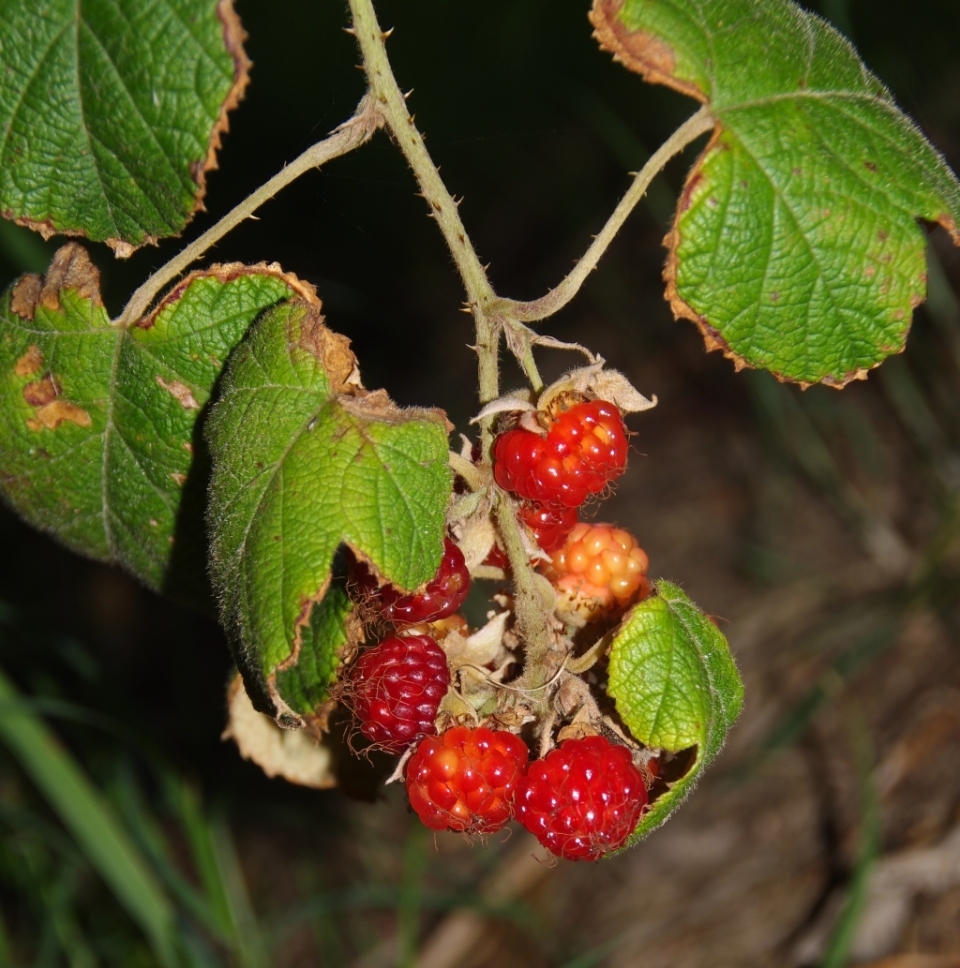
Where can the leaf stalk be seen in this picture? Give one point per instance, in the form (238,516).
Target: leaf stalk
(528,312)
(349,135)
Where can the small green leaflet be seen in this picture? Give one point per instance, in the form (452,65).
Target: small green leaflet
(305,684)
(795,246)
(304,460)
(99,436)
(111,113)
(675,686)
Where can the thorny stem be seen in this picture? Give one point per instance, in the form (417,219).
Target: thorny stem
(443,208)
(557,298)
(492,314)
(532,617)
(532,613)
(351,134)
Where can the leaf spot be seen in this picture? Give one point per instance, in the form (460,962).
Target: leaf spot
(180,392)
(58,412)
(30,363)
(638,50)
(178,479)
(41,392)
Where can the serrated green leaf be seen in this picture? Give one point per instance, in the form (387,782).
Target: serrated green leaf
(98,425)
(675,686)
(304,460)
(111,112)
(305,684)
(795,246)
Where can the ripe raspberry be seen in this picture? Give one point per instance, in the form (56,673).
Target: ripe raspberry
(598,569)
(550,526)
(583,800)
(466,779)
(585,448)
(441,596)
(395,690)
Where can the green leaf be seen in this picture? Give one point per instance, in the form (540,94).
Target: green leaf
(99,435)
(305,685)
(111,113)
(676,688)
(795,246)
(304,460)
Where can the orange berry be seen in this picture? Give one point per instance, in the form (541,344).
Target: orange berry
(598,570)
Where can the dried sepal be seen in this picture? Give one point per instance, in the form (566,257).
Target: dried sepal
(596,382)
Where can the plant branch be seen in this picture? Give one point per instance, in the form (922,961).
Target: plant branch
(351,134)
(556,299)
(443,208)
(532,612)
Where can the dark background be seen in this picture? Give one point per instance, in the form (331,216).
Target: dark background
(822,526)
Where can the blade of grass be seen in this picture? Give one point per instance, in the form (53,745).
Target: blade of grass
(99,833)
(147,831)
(72,942)
(6,957)
(594,956)
(411,895)
(204,856)
(250,949)
(838,947)
(943,305)
(793,430)
(799,717)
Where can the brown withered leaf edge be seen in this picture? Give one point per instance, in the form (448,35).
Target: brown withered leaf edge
(233,35)
(638,50)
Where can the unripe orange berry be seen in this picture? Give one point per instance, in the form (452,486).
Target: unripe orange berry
(599,569)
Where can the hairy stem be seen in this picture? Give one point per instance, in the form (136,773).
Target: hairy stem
(532,616)
(556,299)
(443,208)
(351,134)
(532,613)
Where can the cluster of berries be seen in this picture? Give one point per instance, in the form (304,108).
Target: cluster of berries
(581,801)
(396,687)
(585,797)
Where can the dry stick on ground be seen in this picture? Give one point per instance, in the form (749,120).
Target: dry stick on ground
(896,882)
(460,933)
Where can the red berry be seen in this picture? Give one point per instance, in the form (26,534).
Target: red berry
(583,800)
(441,596)
(584,449)
(396,688)
(466,779)
(550,526)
